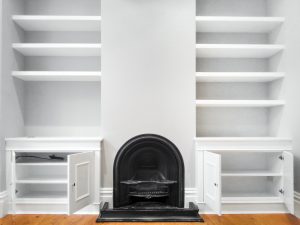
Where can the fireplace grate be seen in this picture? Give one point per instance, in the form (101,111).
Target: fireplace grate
(149,194)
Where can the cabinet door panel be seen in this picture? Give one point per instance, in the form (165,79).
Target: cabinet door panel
(288,181)
(212,181)
(81,180)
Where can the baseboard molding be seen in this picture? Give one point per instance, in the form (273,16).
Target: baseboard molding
(106,195)
(3,204)
(297,196)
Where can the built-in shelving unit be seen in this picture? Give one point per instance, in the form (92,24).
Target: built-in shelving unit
(54,53)
(57,75)
(58,23)
(44,170)
(235,24)
(241,171)
(247,168)
(237,50)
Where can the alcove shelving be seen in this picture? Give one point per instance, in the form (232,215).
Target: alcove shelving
(239,107)
(55,53)
(58,33)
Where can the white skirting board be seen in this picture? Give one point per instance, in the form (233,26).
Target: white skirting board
(297,204)
(3,204)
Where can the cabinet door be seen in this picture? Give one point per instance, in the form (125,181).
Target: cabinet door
(212,181)
(80,180)
(288,181)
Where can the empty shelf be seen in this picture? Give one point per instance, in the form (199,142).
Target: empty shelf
(57,49)
(251,173)
(237,50)
(42,164)
(238,77)
(45,196)
(58,75)
(237,24)
(248,198)
(58,23)
(239,103)
(42,180)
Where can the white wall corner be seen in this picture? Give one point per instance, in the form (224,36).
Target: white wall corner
(297,204)
(3,204)
(106,195)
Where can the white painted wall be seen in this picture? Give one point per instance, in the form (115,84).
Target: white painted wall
(62,109)
(148,83)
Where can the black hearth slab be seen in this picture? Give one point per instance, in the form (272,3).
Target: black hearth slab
(150,215)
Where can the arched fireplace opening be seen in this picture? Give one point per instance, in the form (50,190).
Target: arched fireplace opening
(148,172)
(148,184)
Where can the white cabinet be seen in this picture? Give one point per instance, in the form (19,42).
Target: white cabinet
(53,175)
(258,179)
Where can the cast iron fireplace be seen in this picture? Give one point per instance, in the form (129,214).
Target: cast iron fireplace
(148,183)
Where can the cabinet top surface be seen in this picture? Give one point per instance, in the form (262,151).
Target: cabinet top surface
(32,139)
(53,144)
(243,143)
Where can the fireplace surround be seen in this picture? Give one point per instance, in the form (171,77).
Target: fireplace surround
(148,183)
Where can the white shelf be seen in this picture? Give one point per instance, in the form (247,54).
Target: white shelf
(58,75)
(239,103)
(57,49)
(251,198)
(58,23)
(237,50)
(42,180)
(56,139)
(56,196)
(259,144)
(226,24)
(42,164)
(53,144)
(238,76)
(251,173)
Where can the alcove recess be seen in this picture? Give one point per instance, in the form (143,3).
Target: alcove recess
(238,83)
(56,50)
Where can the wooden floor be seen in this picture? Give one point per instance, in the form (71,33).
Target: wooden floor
(278,219)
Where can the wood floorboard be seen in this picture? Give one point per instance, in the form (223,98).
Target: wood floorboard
(264,219)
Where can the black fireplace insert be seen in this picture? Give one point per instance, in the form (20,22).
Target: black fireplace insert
(148,183)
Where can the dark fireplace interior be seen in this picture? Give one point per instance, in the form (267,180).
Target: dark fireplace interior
(148,172)
(148,183)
